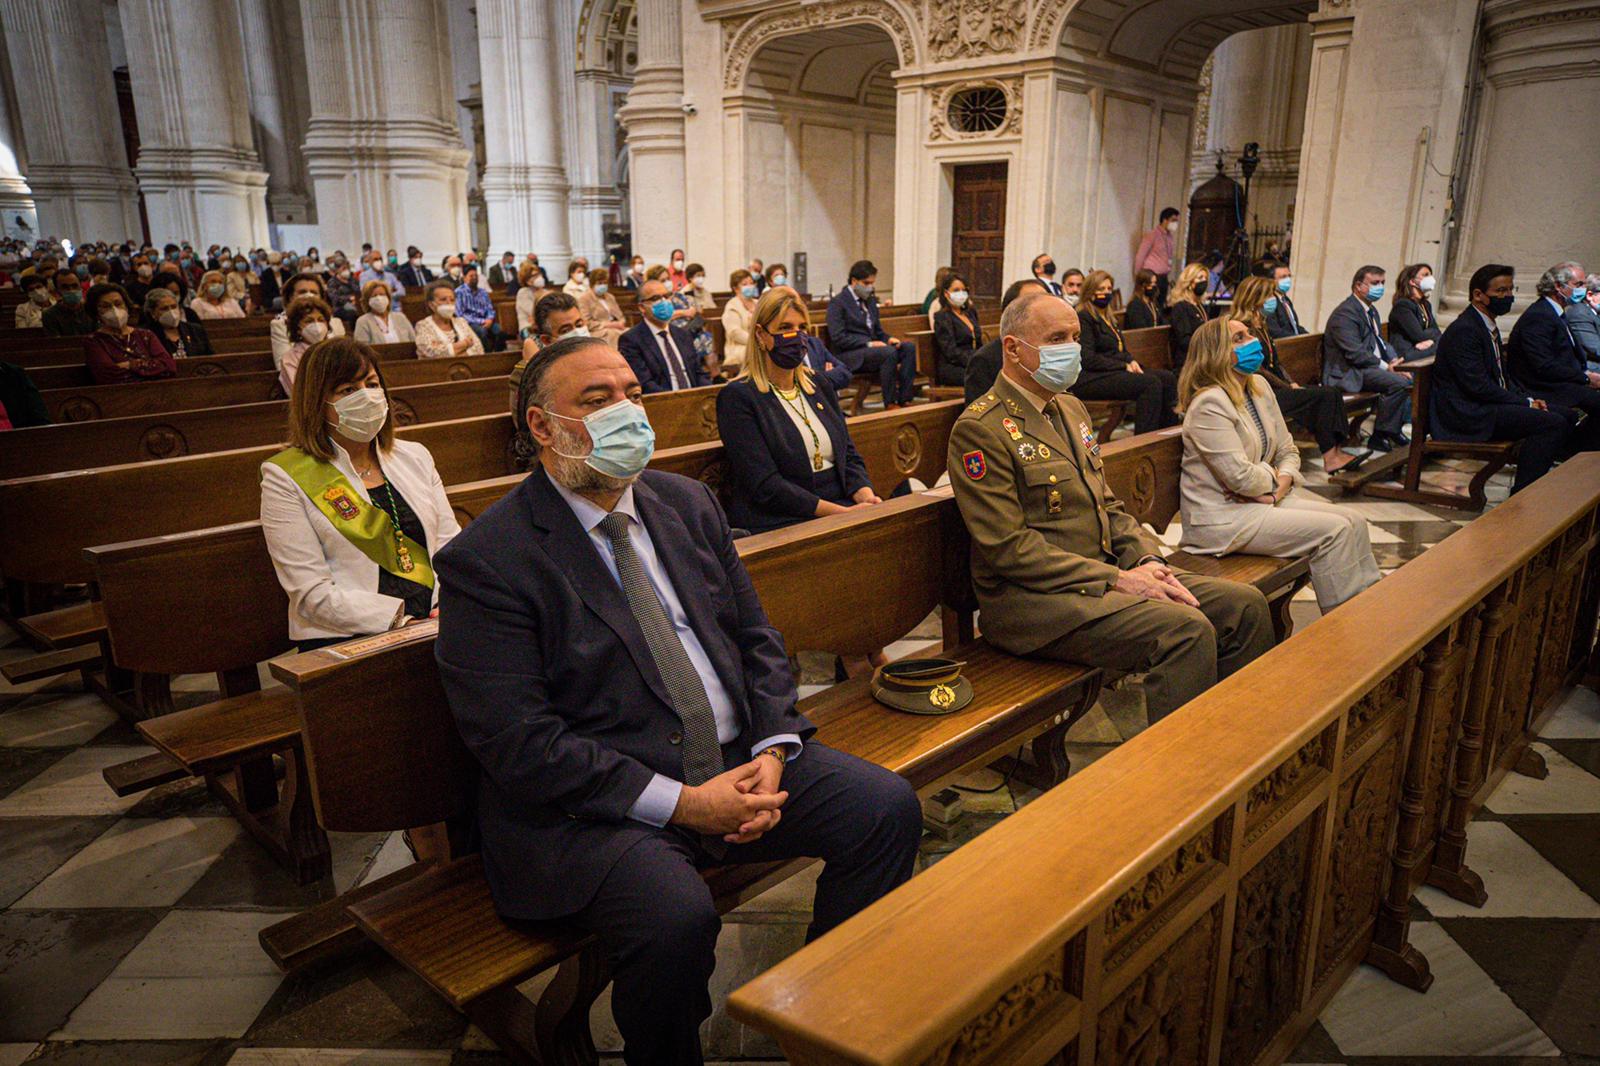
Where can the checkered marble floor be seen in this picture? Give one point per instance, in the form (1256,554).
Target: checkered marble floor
(128,928)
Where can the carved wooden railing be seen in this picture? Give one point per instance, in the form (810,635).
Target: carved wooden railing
(1199,894)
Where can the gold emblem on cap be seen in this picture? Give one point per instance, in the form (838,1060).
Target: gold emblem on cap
(941,696)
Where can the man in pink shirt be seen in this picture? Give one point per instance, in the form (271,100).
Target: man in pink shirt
(1156,250)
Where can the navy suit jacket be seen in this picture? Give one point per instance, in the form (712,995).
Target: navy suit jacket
(1541,354)
(1348,343)
(640,349)
(413,277)
(769,466)
(818,357)
(1284,320)
(554,690)
(1468,381)
(853,323)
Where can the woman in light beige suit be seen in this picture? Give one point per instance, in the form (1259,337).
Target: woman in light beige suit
(1241,470)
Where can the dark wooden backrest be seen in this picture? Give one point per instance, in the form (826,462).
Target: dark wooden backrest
(1301,358)
(73,373)
(1421,371)
(1150,348)
(1143,473)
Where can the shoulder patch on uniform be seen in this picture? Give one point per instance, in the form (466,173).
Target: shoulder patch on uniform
(975,466)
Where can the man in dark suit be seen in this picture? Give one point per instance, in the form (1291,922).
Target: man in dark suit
(660,351)
(857,337)
(272,281)
(824,365)
(1044,272)
(1542,354)
(984,366)
(1472,399)
(1356,358)
(633,713)
(503,275)
(1284,321)
(412,273)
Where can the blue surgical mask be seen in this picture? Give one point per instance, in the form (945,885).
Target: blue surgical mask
(780,279)
(1059,365)
(1375,293)
(1285,284)
(661,310)
(1577,294)
(1247,357)
(749,292)
(1271,306)
(621,439)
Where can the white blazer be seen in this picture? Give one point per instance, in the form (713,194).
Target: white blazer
(332,585)
(1222,454)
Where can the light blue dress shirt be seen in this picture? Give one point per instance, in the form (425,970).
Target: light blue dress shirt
(660,797)
(387,277)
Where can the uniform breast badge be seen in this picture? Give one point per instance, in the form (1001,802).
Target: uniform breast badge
(1052,501)
(1027,452)
(1044,451)
(974,465)
(339,499)
(1011,429)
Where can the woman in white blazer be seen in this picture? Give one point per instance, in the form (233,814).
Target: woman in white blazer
(1241,469)
(381,322)
(352,516)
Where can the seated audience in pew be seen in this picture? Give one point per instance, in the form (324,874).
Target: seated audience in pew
(352,516)
(777,274)
(1356,358)
(38,295)
(957,334)
(1186,310)
(475,307)
(633,281)
(633,712)
(173,282)
(143,274)
(1413,327)
(212,299)
(413,273)
(21,405)
(275,278)
(930,302)
(68,317)
(278,332)
(736,318)
(686,313)
(1060,570)
(984,366)
(164,319)
(237,282)
(859,341)
(1583,319)
(1110,373)
(1543,355)
(1318,409)
(118,351)
(343,291)
(1144,311)
(373,268)
(98,272)
(698,292)
(1241,469)
(758,273)
(503,275)
(785,443)
(577,279)
(1072,286)
(532,286)
(1044,272)
(822,362)
(381,322)
(602,315)
(660,351)
(442,333)
(1284,321)
(1471,396)
(308,321)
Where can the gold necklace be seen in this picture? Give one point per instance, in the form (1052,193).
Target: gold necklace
(789,398)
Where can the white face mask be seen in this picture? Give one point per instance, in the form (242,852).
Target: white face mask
(362,414)
(40,296)
(959,297)
(169,318)
(1425,284)
(312,332)
(577,331)
(1072,299)
(445,311)
(114,317)
(699,283)
(378,304)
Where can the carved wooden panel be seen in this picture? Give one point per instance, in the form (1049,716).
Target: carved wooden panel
(1520,662)
(985,1037)
(78,409)
(1270,927)
(1141,911)
(1373,709)
(1363,817)
(1270,797)
(1162,1018)
(1557,638)
(1441,699)
(163,442)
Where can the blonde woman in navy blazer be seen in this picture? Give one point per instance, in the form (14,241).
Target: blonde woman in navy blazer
(788,452)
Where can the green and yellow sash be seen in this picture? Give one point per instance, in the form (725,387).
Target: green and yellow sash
(363,524)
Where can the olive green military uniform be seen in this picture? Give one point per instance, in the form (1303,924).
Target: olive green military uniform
(1049,540)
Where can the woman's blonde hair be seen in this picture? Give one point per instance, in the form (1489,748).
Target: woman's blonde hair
(1183,291)
(773,305)
(1091,286)
(657,272)
(327,365)
(371,289)
(1210,364)
(207,278)
(1248,301)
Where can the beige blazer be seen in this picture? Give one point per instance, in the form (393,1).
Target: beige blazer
(736,324)
(1222,454)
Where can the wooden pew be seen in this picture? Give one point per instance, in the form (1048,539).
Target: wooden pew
(1301,359)
(1166,908)
(76,375)
(86,403)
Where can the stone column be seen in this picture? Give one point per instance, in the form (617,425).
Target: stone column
(268,32)
(382,149)
(16,199)
(525,181)
(77,166)
(198,168)
(1541,59)
(653,118)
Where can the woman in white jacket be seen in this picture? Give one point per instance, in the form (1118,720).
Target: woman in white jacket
(1241,472)
(352,516)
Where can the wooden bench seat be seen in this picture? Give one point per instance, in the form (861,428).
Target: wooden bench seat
(65,627)
(76,374)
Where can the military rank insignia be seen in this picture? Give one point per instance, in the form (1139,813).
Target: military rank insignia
(1011,429)
(974,464)
(1027,452)
(339,499)
(1087,436)
(1044,451)
(1052,502)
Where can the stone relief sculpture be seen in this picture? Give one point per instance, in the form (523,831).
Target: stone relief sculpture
(959,28)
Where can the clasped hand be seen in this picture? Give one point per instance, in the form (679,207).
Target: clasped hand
(740,805)
(1155,581)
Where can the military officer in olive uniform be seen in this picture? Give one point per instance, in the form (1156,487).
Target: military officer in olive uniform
(1061,571)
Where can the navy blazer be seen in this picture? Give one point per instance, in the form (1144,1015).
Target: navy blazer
(1468,381)
(555,693)
(1541,353)
(1284,320)
(640,349)
(818,359)
(769,466)
(1410,323)
(853,323)
(1348,345)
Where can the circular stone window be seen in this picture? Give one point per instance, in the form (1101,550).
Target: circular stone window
(980,110)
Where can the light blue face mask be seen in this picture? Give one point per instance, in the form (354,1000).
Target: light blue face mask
(1247,357)
(1577,295)
(1375,293)
(661,310)
(1271,306)
(1285,284)
(749,292)
(621,439)
(1059,365)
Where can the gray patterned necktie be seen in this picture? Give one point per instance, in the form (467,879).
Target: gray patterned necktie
(702,754)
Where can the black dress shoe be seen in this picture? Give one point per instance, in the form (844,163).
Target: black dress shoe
(1380,442)
(1402,441)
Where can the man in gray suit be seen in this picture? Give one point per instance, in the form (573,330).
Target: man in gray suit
(1356,358)
(1583,319)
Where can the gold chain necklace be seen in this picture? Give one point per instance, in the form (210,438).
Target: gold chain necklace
(790,399)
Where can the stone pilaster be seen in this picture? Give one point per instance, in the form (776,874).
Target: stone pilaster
(16,198)
(653,117)
(270,33)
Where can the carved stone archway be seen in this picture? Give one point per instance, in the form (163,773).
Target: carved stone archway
(745,39)
(1167,37)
